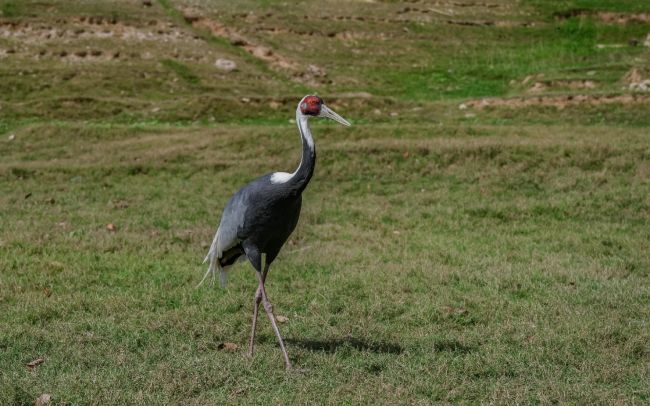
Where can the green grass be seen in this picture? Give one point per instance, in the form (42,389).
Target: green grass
(495,255)
(182,71)
(591,5)
(9,9)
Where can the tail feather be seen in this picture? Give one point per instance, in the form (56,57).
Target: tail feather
(213,258)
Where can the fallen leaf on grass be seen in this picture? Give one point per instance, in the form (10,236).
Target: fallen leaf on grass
(282,319)
(120,204)
(228,346)
(239,391)
(32,364)
(43,399)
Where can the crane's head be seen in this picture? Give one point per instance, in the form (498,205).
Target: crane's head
(314,106)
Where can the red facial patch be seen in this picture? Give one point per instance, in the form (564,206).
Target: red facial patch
(310,105)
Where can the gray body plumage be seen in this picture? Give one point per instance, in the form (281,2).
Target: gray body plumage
(261,215)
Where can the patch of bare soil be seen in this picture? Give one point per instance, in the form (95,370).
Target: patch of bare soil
(342,35)
(310,74)
(427,15)
(560,101)
(478,4)
(36,39)
(623,18)
(635,81)
(457,10)
(4,53)
(489,23)
(632,76)
(82,55)
(546,85)
(76,28)
(75,55)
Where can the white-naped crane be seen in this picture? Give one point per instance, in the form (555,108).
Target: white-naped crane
(259,218)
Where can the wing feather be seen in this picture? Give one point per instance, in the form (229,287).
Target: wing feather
(226,237)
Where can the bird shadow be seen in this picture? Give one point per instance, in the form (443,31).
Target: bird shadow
(333,344)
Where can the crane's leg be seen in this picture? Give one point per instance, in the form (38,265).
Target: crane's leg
(256,306)
(269,312)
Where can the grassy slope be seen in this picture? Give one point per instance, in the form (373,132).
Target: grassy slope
(495,255)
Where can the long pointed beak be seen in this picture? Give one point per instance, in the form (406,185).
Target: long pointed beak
(328,113)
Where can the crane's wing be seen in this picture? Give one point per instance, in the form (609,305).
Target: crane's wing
(232,220)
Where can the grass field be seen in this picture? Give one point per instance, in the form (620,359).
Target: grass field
(479,235)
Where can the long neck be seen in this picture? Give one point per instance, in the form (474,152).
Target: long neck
(305,170)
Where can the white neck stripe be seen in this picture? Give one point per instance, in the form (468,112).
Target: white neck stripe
(305,135)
